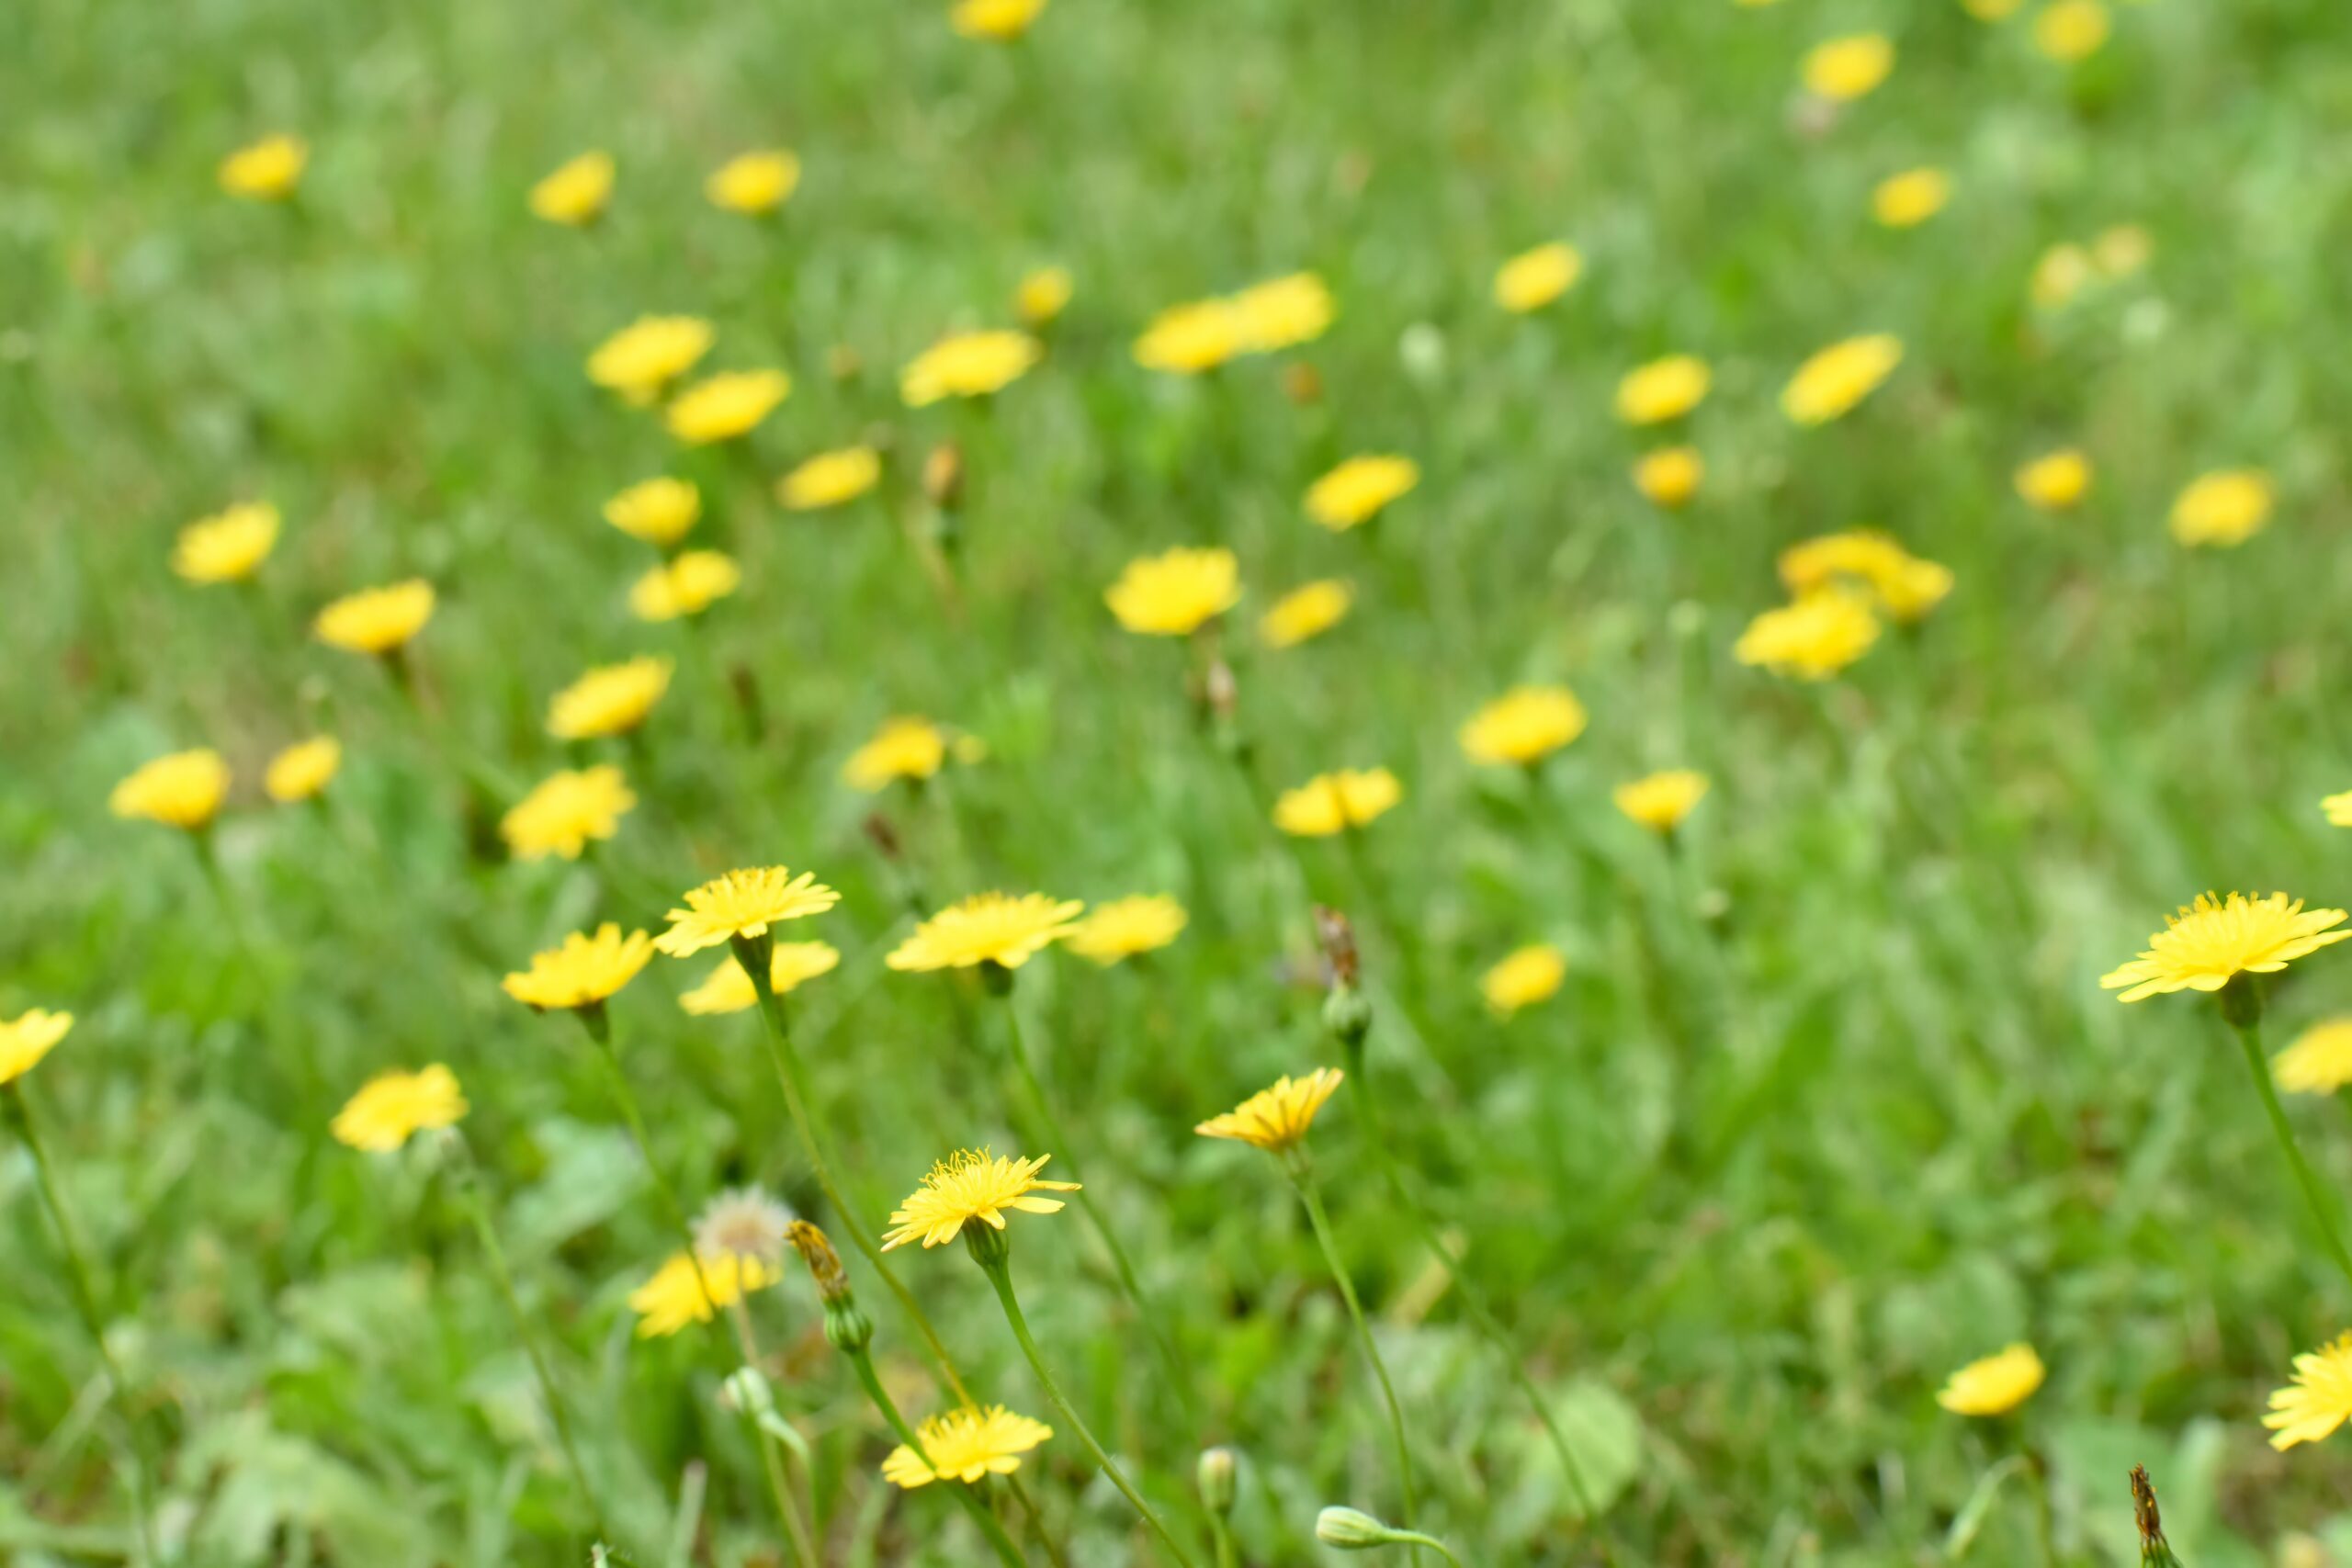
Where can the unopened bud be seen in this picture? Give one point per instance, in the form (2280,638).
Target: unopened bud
(989,1246)
(1214,1475)
(847,1329)
(1221,691)
(1338,939)
(1347,1013)
(747,1391)
(1352,1529)
(943,476)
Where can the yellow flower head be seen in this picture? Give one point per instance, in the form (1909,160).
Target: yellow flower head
(1813,638)
(1306,612)
(267,170)
(964,1445)
(1523,725)
(583,972)
(1276,1119)
(831,479)
(2122,250)
(2319,1062)
(183,790)
(1172,594)
(1358,489)
(565,811)
(743,903)
(1663,389)
(2061,272)
(969,1186)
(611,699)
(676,1297)
(1532,279)
(24,1041)
(2318,1401)
(967,365)
(2214,941)
(376,620)
(2055,482)
(1993,1386)
(2337,808)
(1670,476)
(575,194)
(905,748)
(1186,339)
(987,928)
(1910,198)
(1526,976)
(228,547)
(1991,10)
(1845,68)
(2069,30)
(2224,508)
(392,1107)
(685,586)
(1905,585)
(1661,801)
(1043,295)
(658,511)
(1125,927)
(1330,803)
(1002,20)
(754,183)
(303,769)
(722,407)
(1283,313)
(1834,380)
(728,989)
(647,354)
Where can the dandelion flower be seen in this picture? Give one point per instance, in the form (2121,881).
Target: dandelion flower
(685,586)
(1661,801)
(1834,380)
(829,479)
(1991,10)
(392,1107)
(1813,638)
(2061,272)
(2069,30)
(647,354)
(267,170)
(1358,489)
(2318,1401)
(1905,585)
(1186,339)
(967,365)
(611,699)
(1304,612)
(1845,68)
(1283,313)
(376,620)
(1331,803)
(987,928)
(302,769)
(743,903)
(2223,508)
(228,547)
(1002,20)
(2215,940)
(1172,594)
(755,183)
(1524,978)
(905,748)
(744,1223)
(1043,295)
(1532,279)
(1276,1119)
(585,971)
(967,1445)
(1910,198)
(567,809)
(658,511)
(1663,389)
(1125,927)
(1523,725)
(722,407)
(23,1040)
(183,790)
(675,1295)
(1670,476)
(2121,250)
(969,1186)
(1993,1386)
(728,989)
(2319,1062)
(575,193)
(2056,482)
(2337,808)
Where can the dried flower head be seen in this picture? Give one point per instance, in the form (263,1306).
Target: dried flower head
(743,1222)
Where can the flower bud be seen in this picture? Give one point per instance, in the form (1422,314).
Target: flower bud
(1214,1475)
(989,1246)
(1352,1529)
(1348,1015)
(847,1329)
(943,476)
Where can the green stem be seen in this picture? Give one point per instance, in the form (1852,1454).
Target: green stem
(982,1515)
(2045,1526)
(1417,1539)
(1222,1533)
(2249,1033)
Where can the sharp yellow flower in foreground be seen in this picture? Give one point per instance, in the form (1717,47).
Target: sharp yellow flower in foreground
(611,699)
(1831,382)
(675,1297)
(658,511)
(743,903)
(2069,30)
(1905,585)
(302,769)
(1188,338)
(2320,1061)
(183,790)
(987,928)
(1910,198)
(575,193)
(1663,389)
(585,971)
(565,811)
(1125,926)
(1002,20)
(964,1445)
(1172,594)
(908,747)
(1330,803)
(1532,279)
(2215,940)
(647,354)
(2056,482)
(227,547)
(972,1186)
(2228,507)
(1661,801)
(1307,610)
(829,479)
(1358,489)
(724,406)
(1820,634)
(2337,808)
(1276,1119)
(2318,1401)
(967,365)
(1528,975)
(1283,313)
(25,1040)
(267,170)
(1844,68)
(376,620)
(755,183)
(728,989)
(1670,476)
(390,1108)
(685,586)
(1523,725)
(1043,294)
(1993,1386)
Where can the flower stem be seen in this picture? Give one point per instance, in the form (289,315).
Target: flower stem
(1417,1541)
(2249,1033)
(982,1515)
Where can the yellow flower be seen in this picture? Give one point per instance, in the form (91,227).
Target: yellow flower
(728,989)
(1529,976)
(228,547)
(1172,594)
(1188,338)
(585,971)
(611,699)
(831,479)
(1834,380)
(1845,68)
(2055,482)
(1813,638)
(1905,585)
(675,1295)
(376,620)
(1523,725)
(722,407)
(392,1107)
(2319,1062)
(647,354)
(2227,507)
(1670,476)
(183,790)
(24,1041)
(1329,803)
(565,811)
(2068,30)
(1907,200)
(2121,250)
(2214,941)
(1276,1119)
(905,748)
(1663,389)
(2063,272)
(1043,295)
(1003,20)
(1991,10)
(1993,1386)
(1125,927)
(658,511)
(1661,801)
(1283,313)
(967,365)
(687,586)
(966,1445)
(743,903)
(2338,808)
(969,1186)
(987,928)
(1306,612)
(1358,489)
(755,183)
(576,193)
(2318,1401)
(267,170)
(302,769)
(1532,279)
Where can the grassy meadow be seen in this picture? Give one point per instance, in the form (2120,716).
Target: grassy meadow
(1828,1103)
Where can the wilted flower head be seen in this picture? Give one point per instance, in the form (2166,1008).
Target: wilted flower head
(1813,638)
(1532,279)
(755,183)
(831,479)
(1834,380)
(25,1040)
(1993,1386)
(1905,200)
(227,547)
(302,769)
(728,989)
(1125,926)
(687,585)
(1358,489)
(266,170)
(722,407)
(575,193)
(967,365)
(987,928)
(2227,507)
(2318,1401)
(647,354)
(2069,30)
(2055,482)
(183,790)
(1044,293)
(393,1107)
(2319,1062)
(967,1187)
(1172,594)
(1276,1119)
(1527,976)
(743,903)
(744,1223)
(1670,476)
(1306,612)
(1330,803)
(1663,389)
(966,1445)
(2215,940)
(1844,68)
(1661,801)
(1523,725)
(1002,20)
(565,811)
(376,620)
(676,1296)
(583,971)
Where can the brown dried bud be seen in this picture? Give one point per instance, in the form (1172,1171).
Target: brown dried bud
(1221,693)
(1301,383)
(943,476)
(882,836)
(1338,939)
(824,1263)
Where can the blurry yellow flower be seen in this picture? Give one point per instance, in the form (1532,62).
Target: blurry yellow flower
(1532,279)
(675,1295)
(183,790)
(302,769)
(1834,380)
(1358,489)
(1911,198)
(987,928)
(1663,389)
(576,193)
(2227,507)
(2068,30)
(1172,594)
(1125,926)
(964,1445)
(2319,1062)
(565,811)
(1282,313)
(1905,585)
(376,620)
(728,989)
(392,1107)
(2061,274)
(1670,476)
(755,183)
(831,479)
(722,407)
(611,699)
(2056,482)
(1993,1386)
(1845,68)
(972,1186)
(1991,10)
(1523,725)
(1529,976)
(1043,295)
(1188,338)
(647,354)
(1001,19)
(904,748)
(2318,1401)
(1304,612)
(743,903)
(268,170)
(2338,808)
(2123,249)
(228,547)
(1813,638)
(687,586)
(1661,801)
(1329,803)
(26,1040)
(2214,941)
(967,365)
(1276,1119)
(585,971)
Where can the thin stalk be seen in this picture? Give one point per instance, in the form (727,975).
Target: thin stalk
(1222,1533)
(2249,1033)
(1416,1540)
(991,1526)
(773,1457)
(2045,1525)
